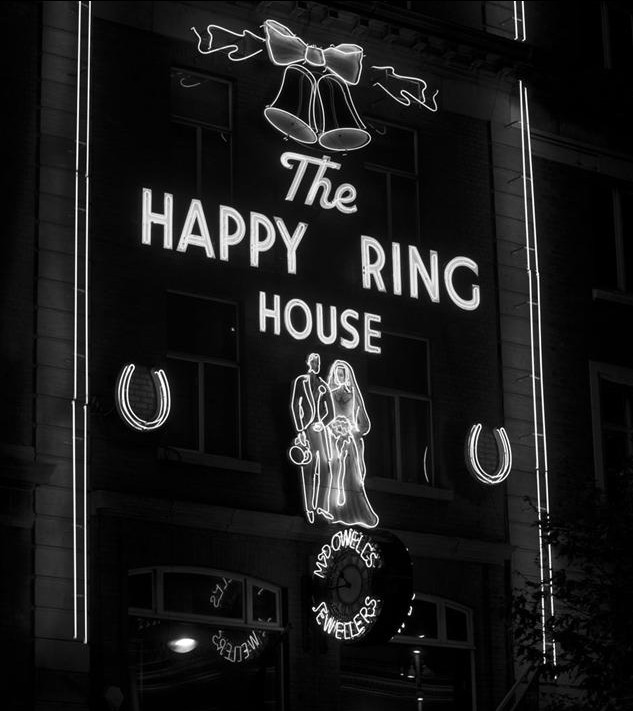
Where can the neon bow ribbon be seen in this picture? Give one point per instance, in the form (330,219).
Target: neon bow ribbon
(284,48)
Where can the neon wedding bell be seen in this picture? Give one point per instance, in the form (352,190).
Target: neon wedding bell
(310,108)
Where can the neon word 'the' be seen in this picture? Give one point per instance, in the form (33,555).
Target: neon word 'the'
(344,194)
(373,260)
(352,540)
(232,228)
(300,322)
(352,629)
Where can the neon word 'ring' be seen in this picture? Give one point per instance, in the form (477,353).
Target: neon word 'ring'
(163,398)
(504,450)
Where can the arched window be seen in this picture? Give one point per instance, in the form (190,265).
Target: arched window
(427,666)
(197,633)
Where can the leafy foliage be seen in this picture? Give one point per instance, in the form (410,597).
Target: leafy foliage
(592,543)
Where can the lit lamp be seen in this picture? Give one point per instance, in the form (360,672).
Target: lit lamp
(182,645)
(182,638)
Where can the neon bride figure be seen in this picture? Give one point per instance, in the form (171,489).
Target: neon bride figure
(349,504)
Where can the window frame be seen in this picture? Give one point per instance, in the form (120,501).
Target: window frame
(397,395)
(201,361)
(620,376)
(201,126)
(609,60)
(247,623)
(159,611)
(442,640)
(388,172)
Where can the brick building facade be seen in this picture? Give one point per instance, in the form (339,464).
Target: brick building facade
(131,141)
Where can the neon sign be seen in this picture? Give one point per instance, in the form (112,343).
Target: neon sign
(348,327)
(331,422)
(406,97)
(348,539)
(314,103)
(346,605)
(124,408)
(349,629)
(505,456)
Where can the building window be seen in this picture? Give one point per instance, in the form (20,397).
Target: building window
(399,405)
(429,664)
(204,372)
(613,239)
(199,634)
(617,32)
(612,407)
(391,187)
(201,138)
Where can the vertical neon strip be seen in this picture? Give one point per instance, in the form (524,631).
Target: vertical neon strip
(540,436)
(550,569)
(86,314)
(519,18)
(80,471)
(75,325)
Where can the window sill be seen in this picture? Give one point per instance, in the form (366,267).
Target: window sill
(618,297)
(216,461)
(407,489)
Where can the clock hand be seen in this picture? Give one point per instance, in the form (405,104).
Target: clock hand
(346,583)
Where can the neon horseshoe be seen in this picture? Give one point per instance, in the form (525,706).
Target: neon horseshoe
(163,397)
(504,451)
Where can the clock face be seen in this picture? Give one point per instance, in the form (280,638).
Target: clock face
(361,586)
(350,582)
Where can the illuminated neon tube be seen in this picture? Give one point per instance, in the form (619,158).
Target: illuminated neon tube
(124,408)
(505,456)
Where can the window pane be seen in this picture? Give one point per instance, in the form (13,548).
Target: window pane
(216,165)
(203,595)
(380,442)
(201,327)
(374,207)
(456,625)
(181,429)
(229,669)
(221,410)
(617,446)
(620,37)
(422,622)
(613,402)
(415,440)
(402,366)
(626,206)
(183,150)
(200,98)
(393,677)
(394,150)
(140,591)
(404,209)
(264,604)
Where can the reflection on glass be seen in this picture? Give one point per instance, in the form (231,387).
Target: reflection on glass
(203,595)
(230,669)
(395,676)
(422,622)
(264,604)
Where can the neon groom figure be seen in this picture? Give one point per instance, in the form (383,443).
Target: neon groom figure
(312,410)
